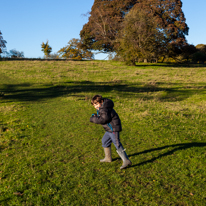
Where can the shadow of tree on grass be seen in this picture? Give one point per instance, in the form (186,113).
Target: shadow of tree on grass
(39,92)
(174,65)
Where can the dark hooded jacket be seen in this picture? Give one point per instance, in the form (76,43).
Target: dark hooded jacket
(107,117)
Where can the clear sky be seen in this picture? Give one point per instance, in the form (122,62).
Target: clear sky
(25,24)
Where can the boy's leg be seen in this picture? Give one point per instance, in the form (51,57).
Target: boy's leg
(115,139)
(106,140)
(106,144)
(120,150)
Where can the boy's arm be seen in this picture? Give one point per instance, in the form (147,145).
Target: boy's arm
(104,118)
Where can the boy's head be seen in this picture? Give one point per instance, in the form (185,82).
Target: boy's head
(97,101)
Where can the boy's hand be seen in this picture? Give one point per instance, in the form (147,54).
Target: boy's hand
(92,117)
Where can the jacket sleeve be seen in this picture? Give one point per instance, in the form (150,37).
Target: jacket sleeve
(103,118)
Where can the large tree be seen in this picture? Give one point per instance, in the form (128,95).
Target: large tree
(140,36)
(153,28)
(2,43)
(106,17)
(104,24)
(171,23)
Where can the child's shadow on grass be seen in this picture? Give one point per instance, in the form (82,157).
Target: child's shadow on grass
(182,146)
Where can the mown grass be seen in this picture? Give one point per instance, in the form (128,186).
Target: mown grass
(50,151)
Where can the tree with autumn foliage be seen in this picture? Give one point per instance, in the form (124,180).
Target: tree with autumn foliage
(104,24)
(106,27)
(2,43)
(75,50)
(155,28)
(46,49)
(140,36)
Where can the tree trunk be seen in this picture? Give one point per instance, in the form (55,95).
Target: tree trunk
(134,62)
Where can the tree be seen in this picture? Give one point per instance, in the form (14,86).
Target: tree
(201,48)
(74,50)
(160,28)
(171,22)
(2,43)
(187,52)
(199,56)
(54,56)
(46,49)
(106,17)
(104,24)
(16,54)
(140,36)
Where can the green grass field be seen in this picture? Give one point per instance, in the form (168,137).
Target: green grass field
(50,151)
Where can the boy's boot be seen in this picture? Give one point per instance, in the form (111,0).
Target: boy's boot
(126,162)
(108,155)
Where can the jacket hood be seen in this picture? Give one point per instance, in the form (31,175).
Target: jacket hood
(108,103)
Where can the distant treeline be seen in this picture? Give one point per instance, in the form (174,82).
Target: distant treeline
(33,59)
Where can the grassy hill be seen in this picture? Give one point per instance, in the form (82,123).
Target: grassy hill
(50,151)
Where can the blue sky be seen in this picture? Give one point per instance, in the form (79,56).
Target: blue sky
(26,24)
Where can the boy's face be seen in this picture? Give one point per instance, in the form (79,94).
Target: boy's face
(97,105)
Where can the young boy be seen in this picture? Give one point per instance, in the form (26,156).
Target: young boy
(109,119)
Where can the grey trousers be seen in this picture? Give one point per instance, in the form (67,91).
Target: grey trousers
(111,137)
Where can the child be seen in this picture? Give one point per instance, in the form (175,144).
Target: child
(109,119)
